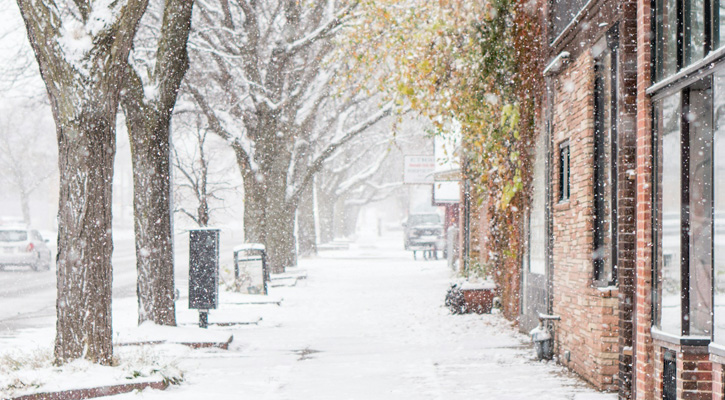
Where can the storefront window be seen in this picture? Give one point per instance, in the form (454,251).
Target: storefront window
(719,207)
(684,212)
(718,24)
(666,38)
(694,31)
(669,282)
(699,119)
(685,31)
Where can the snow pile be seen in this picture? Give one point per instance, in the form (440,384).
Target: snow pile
(33,372)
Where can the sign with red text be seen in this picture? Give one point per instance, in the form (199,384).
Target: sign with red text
(419,169)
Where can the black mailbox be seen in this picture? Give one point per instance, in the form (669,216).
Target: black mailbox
(203,271)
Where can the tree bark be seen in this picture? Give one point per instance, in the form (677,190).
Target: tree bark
(152,220)
(25,205)
(326,208)
(83,93)
(148,121)
(269,220)
(86,150)
(306,227)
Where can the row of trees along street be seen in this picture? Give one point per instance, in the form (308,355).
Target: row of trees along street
(270,79)
(307,95)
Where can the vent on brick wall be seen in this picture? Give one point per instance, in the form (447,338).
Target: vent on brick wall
(669,376)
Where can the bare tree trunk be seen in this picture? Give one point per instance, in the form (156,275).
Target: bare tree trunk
(269,220)
(306,227)
(25,205)
(152,223)
(86,148)
(84,95)
(326,209)
(149,121)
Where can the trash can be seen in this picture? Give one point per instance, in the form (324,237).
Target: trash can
(250,269)
(541,336)
(542,342)
(203,271)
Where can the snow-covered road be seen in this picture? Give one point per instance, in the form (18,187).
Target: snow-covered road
(369,323)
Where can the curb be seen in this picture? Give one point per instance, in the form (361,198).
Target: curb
(193,345)
(89,393)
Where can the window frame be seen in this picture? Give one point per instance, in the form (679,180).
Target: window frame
(685,224)
(564,172)
(683,31)
(610,45)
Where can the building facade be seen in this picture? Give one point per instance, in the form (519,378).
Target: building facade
(681,193)
(580,257)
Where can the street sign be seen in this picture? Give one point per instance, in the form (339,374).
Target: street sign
(419,170)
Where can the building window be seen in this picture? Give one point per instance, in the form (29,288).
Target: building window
(683,212)
(669,376)
(685,31)
(564,171)
(605,160)
(719,206)
(561,13)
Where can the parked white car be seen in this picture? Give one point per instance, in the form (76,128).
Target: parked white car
(20,246)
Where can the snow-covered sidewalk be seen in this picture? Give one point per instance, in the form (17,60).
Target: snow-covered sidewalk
(369,323)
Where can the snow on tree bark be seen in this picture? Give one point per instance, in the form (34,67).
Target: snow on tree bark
(306,226)
(148,119)
(82,49)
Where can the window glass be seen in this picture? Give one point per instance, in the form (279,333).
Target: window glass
(562,12)
(694,30)
(719,207)
(564,172)
(13,236)
(537,219)
(667,120)
(699,119)
(666,34)
(718,25)
(604,183)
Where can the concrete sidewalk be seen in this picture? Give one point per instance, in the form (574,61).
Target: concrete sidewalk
(369,323)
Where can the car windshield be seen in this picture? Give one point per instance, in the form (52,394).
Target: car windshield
(13,236)
(424,219)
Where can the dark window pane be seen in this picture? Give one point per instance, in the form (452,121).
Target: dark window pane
(666,38)
(604,182)
(694,30)
(564,172)
(699,119)
(718,24)
(667,120)
(562,13)
(719,206)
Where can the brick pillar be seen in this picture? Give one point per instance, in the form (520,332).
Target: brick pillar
(644,372)
(717,381)
(626,194)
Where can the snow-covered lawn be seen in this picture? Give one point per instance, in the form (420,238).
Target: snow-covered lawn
(367,323)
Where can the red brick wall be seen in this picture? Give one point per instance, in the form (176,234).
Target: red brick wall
(644,371)
(694,371)
(717,380)
(589,325)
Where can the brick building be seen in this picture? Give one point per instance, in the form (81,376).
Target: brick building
(680,326)
(580,258)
